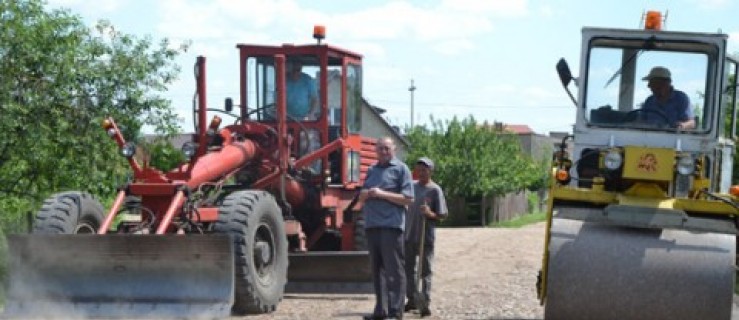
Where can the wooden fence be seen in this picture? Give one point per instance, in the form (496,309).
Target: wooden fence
(488,209)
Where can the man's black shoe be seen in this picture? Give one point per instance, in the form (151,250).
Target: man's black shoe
(409,307)
(425,312)
(373,317)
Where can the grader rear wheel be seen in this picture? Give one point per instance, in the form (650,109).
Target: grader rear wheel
(609,272)
(69,213)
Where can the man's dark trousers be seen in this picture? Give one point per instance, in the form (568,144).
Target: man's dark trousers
(386,250)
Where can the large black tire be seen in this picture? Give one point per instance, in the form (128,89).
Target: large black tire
(255,224)
(71,212)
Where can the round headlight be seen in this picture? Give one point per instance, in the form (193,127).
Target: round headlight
(685,165)
(128,149)
(189,149)
(613,160)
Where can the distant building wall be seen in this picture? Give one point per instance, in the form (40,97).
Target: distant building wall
(375,126)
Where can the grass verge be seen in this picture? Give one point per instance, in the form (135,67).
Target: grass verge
(521,221)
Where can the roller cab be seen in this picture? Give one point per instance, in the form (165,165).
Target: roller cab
(641,221)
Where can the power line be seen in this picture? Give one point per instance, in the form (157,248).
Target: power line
(454,104)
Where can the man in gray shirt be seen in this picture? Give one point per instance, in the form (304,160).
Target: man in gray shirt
(387,190)
(429,204)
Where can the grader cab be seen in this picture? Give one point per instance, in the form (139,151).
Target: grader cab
(641,222)
(262,204)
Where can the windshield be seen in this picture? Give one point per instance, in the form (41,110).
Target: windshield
(302,92)
(648,85)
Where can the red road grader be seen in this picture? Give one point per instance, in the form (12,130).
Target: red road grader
(214,236)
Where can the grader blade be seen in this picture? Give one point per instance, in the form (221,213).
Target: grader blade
(119,276)
(605,271)
(329,272)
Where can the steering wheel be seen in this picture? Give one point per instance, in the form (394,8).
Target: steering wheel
(632,115)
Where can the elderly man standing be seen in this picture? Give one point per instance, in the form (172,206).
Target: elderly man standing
(429,206)
(386,192)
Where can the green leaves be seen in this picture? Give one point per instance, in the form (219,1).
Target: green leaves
(474,159)
(60,79)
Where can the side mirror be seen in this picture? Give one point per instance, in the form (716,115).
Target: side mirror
(563,70)
(229,105)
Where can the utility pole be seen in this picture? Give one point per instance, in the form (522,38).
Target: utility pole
(411,89)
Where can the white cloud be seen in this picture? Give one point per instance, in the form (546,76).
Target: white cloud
(547,11)
(453,47)
(81,6)
(734,42)
(279,22)
(712,4)
(508,8)
(373,50)
(181,19)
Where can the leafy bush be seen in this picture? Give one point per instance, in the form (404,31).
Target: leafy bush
(60,79)
(3,266)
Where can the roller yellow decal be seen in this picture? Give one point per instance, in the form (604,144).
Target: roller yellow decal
(650,164)
(647,163)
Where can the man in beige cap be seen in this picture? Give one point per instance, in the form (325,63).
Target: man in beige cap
(427,209)
(666,104)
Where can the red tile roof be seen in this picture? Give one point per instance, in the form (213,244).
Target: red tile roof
(519,128)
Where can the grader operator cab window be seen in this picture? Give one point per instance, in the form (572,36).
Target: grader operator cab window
(617,87)
(731,95)
(303,102)
(354,98)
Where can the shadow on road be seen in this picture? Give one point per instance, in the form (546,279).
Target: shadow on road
(327,297)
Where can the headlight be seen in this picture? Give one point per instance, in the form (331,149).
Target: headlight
(685,165)
(128,150)
(189,149)
(613,160)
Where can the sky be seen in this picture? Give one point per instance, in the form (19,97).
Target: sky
(492,59)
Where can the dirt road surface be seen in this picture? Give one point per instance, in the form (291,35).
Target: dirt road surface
(479,273)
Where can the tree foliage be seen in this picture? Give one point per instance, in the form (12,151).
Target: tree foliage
(474,159)
(60,79)
(163,155)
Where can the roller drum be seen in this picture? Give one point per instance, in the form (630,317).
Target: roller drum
(601,271)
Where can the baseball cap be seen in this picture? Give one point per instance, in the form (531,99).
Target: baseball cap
(427,162)
(658,72)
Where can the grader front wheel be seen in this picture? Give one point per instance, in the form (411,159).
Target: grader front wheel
(254,222)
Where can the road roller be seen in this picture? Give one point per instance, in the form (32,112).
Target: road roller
(641,215)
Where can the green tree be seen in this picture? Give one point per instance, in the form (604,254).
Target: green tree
(474,159)
(164,156)
(60,79)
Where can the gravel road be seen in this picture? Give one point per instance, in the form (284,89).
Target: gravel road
(480,273)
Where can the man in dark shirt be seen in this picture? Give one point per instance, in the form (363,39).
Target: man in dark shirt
(666,105)
(429,204)
(386,192)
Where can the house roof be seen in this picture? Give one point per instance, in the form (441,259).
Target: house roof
(379,111)
(519,129)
